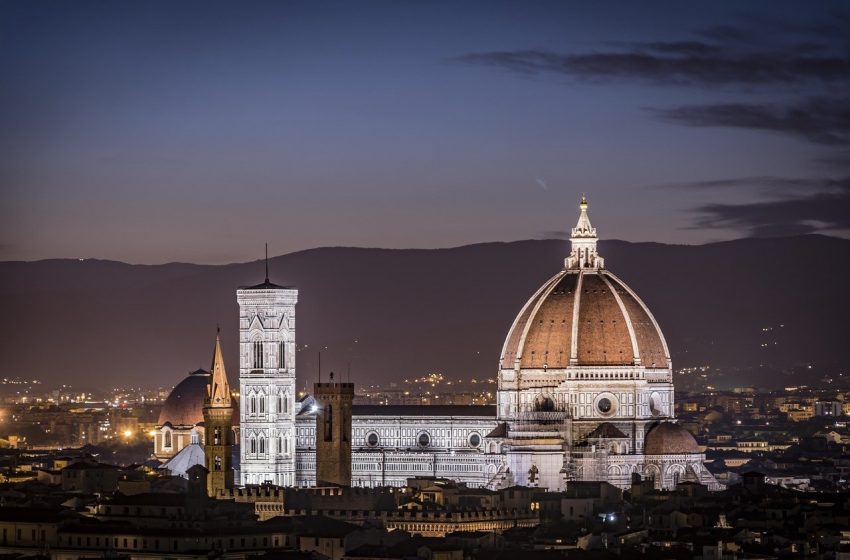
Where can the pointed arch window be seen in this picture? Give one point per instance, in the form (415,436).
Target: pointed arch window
(262,403)
(253,401)
(262,445)
(167,438)
(279,402)
(217,465)
(217,436)
(257,355)
(253,445)
(281,356)
(279,444)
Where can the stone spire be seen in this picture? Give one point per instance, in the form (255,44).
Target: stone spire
(583,243)
(218,390)
(218,428)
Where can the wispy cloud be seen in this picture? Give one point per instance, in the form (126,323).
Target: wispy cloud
(692,64)
(769,52)
(792,206)
(757,55)
(819,120)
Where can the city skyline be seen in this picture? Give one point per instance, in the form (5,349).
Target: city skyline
(541,279)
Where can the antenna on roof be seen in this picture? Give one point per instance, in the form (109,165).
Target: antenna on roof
(267,263)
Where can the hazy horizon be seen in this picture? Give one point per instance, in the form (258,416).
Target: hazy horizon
(274,256)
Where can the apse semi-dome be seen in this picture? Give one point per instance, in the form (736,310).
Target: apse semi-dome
(668,438)
(584,316)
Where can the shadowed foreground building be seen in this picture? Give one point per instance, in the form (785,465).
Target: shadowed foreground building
(585,393)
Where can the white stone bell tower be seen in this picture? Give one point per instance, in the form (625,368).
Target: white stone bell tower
(267,383)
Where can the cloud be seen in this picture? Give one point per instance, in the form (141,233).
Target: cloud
(694,48)
(676,67)
(768,52)
(554,234)
(812,205)
(767,185)
(542,184)
(818,120)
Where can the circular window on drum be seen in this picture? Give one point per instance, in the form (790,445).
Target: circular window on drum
(656,405)
(372,439)
(606,404)
(474,439)
(424,439)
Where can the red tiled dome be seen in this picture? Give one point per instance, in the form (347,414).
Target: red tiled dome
(584,318)
(668,438)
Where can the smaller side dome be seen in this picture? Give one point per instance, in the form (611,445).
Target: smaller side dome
(668,438)
(185,404)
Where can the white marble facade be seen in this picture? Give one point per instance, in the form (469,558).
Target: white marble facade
(585,387)
(267,384)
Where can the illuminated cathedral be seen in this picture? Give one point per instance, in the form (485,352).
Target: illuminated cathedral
(585,392)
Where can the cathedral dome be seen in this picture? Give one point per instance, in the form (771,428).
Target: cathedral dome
(584,316)
(185,404)
(668,438)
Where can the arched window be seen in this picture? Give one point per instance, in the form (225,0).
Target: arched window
(217,436)
(262,445)
(257,349)
(253,445)
(281,356)
(217,463)
(253,404)
(329,423)
(262,403)
(279,403)
(167,438)
(279,444)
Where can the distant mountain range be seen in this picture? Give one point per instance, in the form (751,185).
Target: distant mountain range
(396,314)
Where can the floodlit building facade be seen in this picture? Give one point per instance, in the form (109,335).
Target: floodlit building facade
(585,392)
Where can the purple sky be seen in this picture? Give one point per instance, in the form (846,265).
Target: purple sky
(195,131)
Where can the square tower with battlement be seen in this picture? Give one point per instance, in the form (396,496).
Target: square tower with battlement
(333,432)
(267,383)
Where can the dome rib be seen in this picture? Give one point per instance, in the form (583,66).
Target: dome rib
(654,351)
(628,319)
(547,343)
(512,350)
(574,325)
(603,339)
(550,285)
(561,326)
(607,326)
